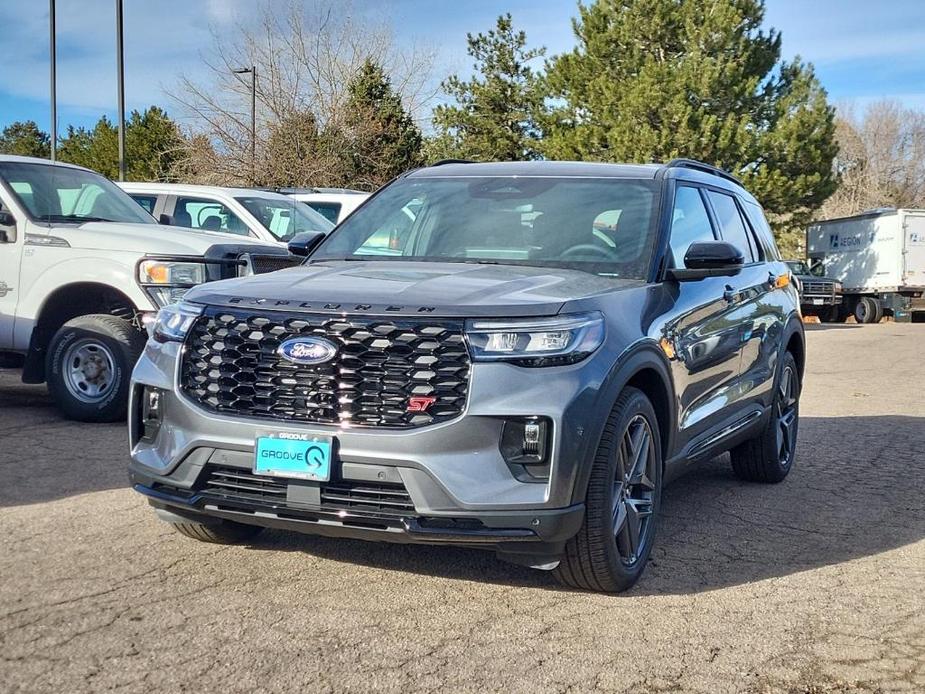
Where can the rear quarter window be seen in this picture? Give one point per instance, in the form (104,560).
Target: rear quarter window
(762,230)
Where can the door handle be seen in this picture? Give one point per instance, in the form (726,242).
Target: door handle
(729,293)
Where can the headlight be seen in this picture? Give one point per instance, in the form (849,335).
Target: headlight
(838,287)
(537,342)
(167,281)
(174,321)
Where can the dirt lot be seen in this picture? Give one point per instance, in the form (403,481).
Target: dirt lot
(814,585)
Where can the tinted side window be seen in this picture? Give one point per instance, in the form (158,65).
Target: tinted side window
(689,223)
(731,225)
(208,215)
(329,210)
(763,230)
(146,201)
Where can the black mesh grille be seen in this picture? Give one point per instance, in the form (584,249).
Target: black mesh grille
(270,263)
(376,498)
(231,365)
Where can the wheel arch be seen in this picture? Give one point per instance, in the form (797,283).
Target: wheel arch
(644,367)
(63,304)
(794,341)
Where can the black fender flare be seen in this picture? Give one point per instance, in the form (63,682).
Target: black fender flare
(793,326)
(642,356)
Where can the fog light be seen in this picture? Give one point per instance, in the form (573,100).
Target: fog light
(524,445)
(531,439)
(151,413)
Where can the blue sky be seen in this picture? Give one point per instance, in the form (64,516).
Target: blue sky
(862,51)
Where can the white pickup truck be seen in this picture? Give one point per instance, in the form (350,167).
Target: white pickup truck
(83,270)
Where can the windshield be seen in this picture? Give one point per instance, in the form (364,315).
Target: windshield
(605,226)
(285,217)
(62,194)
(798,267)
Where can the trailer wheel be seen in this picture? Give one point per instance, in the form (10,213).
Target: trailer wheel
(868,310)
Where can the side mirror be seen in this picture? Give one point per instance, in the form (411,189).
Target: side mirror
(709,259)
(167,220)
(304,243)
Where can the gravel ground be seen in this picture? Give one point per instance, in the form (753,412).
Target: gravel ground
(813,585)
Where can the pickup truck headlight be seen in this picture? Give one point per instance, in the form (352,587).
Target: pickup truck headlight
(838,287)
(167,281)
(537,342)
(174,321)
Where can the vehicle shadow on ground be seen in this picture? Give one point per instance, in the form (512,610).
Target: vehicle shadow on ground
(856,491)
(44,457)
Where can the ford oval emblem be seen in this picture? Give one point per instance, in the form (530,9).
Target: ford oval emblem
(307,350)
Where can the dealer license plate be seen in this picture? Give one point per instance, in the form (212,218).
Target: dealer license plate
(818,302)
(298,456)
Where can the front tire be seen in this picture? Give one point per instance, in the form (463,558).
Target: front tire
(769,456)
(610,550)
(89,366)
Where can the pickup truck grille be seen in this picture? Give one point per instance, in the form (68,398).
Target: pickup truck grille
(823,288)
(230,365)
(271,263)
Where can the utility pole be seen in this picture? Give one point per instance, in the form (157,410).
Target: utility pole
(252,70)
(54,95)
(120,68)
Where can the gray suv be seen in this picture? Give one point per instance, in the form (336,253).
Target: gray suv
(516,356)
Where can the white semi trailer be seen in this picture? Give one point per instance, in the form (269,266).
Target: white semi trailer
(878,256)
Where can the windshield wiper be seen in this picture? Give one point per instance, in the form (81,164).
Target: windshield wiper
(73,218)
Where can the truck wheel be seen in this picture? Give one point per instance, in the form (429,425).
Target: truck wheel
(621,505)
(828,314)
(89,365)
(222,532)
(769,456)
(868,310)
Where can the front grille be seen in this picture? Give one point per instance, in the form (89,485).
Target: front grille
(261,264)
(241,485)
(827,288)
(230,365)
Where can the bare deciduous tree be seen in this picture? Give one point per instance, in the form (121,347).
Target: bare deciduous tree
(305,57)
(881,159)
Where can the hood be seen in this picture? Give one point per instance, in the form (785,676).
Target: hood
(154,239)
(411,288)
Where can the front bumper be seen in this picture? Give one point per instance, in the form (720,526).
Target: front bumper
(821,300)
(459,488)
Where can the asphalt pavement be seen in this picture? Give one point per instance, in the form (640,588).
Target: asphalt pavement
(813,585)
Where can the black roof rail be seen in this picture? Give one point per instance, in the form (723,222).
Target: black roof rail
(443,162)
(700,166)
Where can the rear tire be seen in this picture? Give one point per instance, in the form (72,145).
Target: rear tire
(610,550)
(868,310)
(769,456)
(89,365)
(222,532)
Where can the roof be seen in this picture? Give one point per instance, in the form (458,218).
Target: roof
(681,169)
(37,160)
(187,189)
(539,168)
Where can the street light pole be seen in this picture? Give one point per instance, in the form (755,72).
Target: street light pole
(54,95)
(120,68)
(252,70)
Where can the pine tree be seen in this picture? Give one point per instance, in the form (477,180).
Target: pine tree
(650,80)
(25,139)
(495,114)
(381,137)
(152,146)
